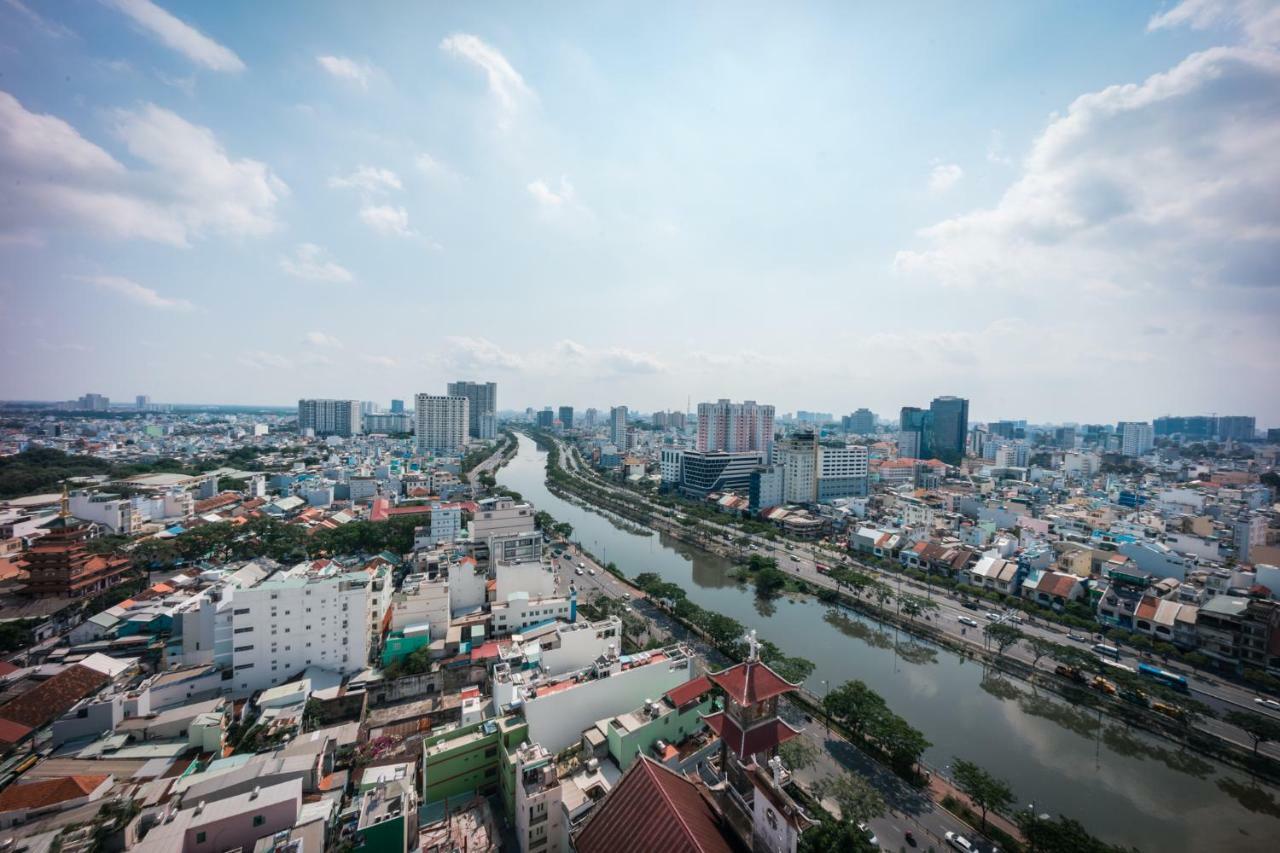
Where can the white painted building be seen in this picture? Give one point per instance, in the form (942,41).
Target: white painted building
(442,423)
(498,516)
(519,610)
(111,511)
(669,463)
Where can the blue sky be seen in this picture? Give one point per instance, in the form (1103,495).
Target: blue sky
(1061,211)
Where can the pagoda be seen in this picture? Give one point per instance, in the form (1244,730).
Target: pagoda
(59,562)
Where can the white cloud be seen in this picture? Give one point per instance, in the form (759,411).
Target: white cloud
(310,262)
(387,220)
(263,360)
(191,188)
(433,168)
(1169,183)
(944,176)
(369,179)
(604,363)
(548,197)
(41,23)
(466,353)
(320,339)
(1259,20)
(214,192)
(505,83)
(345,68)
(179,36)
(379,360)
(135,292)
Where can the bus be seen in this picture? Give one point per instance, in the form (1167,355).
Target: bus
(1108,651)
(822,570)
(1168,679)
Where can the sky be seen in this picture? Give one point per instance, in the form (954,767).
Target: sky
(1061,211)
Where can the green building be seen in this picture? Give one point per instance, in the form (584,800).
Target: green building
(627,735)
(402,643)
(472,759)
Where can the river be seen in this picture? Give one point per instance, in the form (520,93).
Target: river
(1124,786)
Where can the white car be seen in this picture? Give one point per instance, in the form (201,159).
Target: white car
(965,620)
(870,833)
(577,571)
(960,842)
(591,572)
(1268,703)
(582,565)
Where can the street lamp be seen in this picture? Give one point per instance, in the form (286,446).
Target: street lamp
(826,714)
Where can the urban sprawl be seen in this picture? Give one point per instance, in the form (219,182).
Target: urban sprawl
(333,628)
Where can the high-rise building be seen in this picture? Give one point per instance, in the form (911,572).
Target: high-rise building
(482,422)
(368,407)
(618,427)
(329,417)
(717,471)
(143,402)
(441,422)
(797,456)
(1237,428)
(1188,428)
(735,427)
(915,433)
(950,428)
(94,403)
(861,422)
(589,418)
(397,407)
(1136,437)
(546,418)
(566,417)
(842,471)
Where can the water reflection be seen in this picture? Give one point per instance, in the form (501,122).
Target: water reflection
(1043,747)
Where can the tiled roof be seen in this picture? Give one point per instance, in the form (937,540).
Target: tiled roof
(35,795)
(690,690)
(654,809)
(750,682)
(11,732)
(52,698)
(759,738)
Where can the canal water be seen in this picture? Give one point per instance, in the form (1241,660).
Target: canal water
(1124,786)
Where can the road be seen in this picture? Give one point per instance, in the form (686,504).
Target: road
(910,810)
(801,559)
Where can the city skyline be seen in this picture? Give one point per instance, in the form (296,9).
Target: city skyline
(205,202)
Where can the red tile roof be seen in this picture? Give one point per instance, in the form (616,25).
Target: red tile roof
(35,795)
(689,691)
(751,681)
(11,732)
(759,738)
(487,651)
(655,809)
(52,698)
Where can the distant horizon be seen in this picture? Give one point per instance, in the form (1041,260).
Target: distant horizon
(120,405)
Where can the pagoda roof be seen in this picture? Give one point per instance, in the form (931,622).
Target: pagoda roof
(761,737)
(750,682)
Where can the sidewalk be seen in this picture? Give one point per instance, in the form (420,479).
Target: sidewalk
(940,786)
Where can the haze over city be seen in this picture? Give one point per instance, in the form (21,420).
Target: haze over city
(1063,212)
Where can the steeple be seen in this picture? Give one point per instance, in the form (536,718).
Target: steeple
(65,511)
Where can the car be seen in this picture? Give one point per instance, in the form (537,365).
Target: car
(591,572)
(965,620)
(1268,703)
(871,836)
(577,571)
(626,596)
(970,605)
(959,842)
(582,565)
(994,617)
(1014,618)
(794,558)
(1079,638)
(753,547)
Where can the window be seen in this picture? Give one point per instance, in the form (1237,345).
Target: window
(239,612)
(200,837)
(259,820)
(248,648)
(243,630)
(491,752)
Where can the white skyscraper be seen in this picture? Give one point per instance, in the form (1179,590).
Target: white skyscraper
(442,423)
(1136,438)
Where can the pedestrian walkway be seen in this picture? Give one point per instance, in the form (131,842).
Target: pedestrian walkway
(940,786)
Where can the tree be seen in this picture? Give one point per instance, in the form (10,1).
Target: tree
(1061,835)
(769,582)
(903,742)
(1259,728)
(839,835)
(854,704)
(1002,635)
(857,800)
(1040,647)
(798,753)
(984,790)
